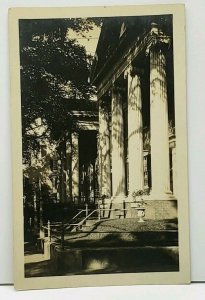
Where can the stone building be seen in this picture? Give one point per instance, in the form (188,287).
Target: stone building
(126,145)
(134,76)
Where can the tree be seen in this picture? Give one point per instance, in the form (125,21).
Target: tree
(54,75)
(54,82)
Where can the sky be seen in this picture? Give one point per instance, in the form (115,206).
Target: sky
(89,41)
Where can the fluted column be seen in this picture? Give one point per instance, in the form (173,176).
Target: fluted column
(135,134)
(118,159)
(159,125)
(104,149)
(75,167)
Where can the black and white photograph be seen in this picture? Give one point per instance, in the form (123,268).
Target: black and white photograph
(101,131)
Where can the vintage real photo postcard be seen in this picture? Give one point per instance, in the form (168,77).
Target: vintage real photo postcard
(98,101)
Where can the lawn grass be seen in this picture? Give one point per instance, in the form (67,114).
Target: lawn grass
(132,225)
(126,232)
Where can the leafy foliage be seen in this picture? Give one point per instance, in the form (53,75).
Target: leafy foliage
(54,74)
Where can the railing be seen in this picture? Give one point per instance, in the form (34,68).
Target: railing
(60,228)
(46,232)
(78,225)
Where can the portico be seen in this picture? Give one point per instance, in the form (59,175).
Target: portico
(136,116)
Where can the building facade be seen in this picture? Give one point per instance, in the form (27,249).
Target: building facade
(134,75)
(77,161)
(128,147)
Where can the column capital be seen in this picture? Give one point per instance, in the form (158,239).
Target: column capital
(116,88)
(133,71)
(75,133)
(103,110)
(159,40)
(103,100)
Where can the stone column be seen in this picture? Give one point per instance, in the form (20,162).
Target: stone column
(91,182)
(53,184)
(99,156)
(174,171)
(159,126)
(135,134)
(104,146)
(118,159)
(146,185)
(68,168)
(63,175)
(75,167)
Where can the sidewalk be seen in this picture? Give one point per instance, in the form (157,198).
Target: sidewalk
(36,265)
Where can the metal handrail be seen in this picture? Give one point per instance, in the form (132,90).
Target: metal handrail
(73,218)
(58,225)
(98,210)
(87,217)
(63,228)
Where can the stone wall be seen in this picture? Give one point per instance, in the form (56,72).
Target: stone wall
(155,210)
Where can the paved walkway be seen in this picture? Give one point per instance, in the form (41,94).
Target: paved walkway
(36,264)
(33,258)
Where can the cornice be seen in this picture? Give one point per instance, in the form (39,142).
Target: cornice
(150,40)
